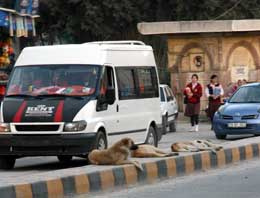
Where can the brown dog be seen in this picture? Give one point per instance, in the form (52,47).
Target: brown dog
(147,150)
(117,154)
(195,146)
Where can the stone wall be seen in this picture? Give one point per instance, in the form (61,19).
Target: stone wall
(230,56)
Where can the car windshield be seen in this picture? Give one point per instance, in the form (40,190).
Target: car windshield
(51,80)
(249,94)
(162,95)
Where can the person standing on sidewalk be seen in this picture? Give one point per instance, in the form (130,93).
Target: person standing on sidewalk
(214,92)
(192,95)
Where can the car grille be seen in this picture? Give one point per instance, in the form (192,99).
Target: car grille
(35,128)
(248,117)
(227,117)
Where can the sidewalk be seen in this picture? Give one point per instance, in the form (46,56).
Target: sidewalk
(182,118)
(87,179)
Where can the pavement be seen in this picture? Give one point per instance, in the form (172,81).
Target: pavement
(239,180)
(40,169)
(37,168)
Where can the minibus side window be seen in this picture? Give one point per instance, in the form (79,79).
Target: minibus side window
(107,82)
(126,83)
(148,84)
(107,90)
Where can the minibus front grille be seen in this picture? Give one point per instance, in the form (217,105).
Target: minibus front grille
(35,128)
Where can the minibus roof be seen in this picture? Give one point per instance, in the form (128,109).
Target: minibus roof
(95,53)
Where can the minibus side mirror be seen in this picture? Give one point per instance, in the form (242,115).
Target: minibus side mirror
(110,96)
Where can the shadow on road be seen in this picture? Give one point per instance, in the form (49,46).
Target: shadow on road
(52,165)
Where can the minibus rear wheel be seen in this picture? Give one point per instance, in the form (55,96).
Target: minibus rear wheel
(101,141)
(152,137)
(7,162)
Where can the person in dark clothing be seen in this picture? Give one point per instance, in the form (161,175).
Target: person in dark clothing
(192,94)
(214,92)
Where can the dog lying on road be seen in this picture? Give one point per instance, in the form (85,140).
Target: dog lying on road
(195,146)
(117,154)
(147,150)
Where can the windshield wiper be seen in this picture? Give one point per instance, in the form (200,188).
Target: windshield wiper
(58,95)
(20,95)
(253,101)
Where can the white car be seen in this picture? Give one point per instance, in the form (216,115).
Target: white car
(169,108)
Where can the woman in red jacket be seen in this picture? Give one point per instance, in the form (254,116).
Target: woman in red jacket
(192,94)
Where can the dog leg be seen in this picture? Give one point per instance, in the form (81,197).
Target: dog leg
(171,154)
(135,163)
(160,151)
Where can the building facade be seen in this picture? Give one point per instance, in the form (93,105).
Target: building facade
(229,49)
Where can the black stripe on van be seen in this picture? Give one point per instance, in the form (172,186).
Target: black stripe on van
(127,132)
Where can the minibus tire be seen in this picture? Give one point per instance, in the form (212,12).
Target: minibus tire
(100,135)
(7,162)
(64,159)
(152,132)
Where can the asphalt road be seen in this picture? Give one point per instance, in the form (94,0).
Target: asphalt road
(237,181)
(39,167)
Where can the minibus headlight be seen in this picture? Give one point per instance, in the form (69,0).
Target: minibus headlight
(75,126)
(4,127)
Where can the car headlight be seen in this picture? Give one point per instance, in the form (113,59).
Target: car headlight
(75,126)
(4,127)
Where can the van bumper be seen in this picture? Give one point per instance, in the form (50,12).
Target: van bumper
(47,145)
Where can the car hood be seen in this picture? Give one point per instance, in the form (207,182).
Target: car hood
(241,109)
(41,110)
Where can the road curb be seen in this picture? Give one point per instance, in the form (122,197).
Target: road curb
(124,176)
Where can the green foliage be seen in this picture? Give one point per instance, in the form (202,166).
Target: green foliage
(88,20)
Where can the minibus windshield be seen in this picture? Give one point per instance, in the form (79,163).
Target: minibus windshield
(65,80)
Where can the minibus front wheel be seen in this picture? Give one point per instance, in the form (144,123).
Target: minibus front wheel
(7,162)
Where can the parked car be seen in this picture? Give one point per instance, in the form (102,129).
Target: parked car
(169,109)
(71,99)
(240,113)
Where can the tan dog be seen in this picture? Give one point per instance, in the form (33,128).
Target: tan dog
(117,154)
(195,146)
(147,150)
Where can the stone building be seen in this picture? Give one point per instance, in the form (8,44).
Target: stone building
(228,48)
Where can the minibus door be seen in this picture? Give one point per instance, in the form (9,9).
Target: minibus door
(106,103)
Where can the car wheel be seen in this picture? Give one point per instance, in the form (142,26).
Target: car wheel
(173,126)
(101,141)
(151,137)
(221,137)
(7,162)
(65,158)
(165,120)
